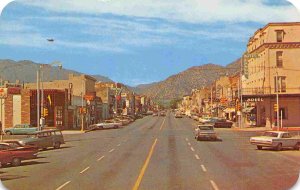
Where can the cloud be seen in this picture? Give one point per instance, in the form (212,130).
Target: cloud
(192,11)
(3,4)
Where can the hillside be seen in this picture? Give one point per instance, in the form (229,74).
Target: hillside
(182,83)
(25,71)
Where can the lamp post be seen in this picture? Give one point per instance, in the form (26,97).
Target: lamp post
(40,104)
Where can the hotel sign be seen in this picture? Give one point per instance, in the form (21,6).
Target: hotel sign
(255,100)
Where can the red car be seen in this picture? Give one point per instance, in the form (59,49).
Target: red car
(12,152)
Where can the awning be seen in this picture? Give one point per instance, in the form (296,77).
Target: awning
(229,110)
(248,109)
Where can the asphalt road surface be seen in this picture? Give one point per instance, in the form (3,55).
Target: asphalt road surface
(156,153)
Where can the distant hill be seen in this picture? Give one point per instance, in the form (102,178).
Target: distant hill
(25,71)
(182,83)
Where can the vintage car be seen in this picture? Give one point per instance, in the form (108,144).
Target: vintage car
(205,132)
(218,122)
(178,115)
(162,113)
(21,129)
(155,114)
(44,139)
(13,153)
(108,124)
(204,119)
(277,140)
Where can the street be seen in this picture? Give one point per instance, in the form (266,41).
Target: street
(156,153)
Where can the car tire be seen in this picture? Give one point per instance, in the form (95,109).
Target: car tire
(56,145)
(116,126)
(16,162)
(279,147)
(259,147)
(8,133)
(100,127)
(297,146)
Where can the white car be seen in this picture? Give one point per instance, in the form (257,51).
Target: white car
(204,119)
(277,140)
(107,125)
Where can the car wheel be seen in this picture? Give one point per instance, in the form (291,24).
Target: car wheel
(8,133)
(297,146)
(16,162)
(279,147)
(259,147)
(57,145)
(100,127)
(116,127)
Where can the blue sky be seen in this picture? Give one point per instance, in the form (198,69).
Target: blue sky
(134,41)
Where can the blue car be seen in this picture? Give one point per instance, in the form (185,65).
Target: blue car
(21,129)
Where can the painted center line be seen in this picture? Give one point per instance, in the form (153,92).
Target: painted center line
(119,144)
(197,157)
(100,158)
(84,170)
(112,150)
(162,124)
(192,149)
(186,139)
(203,168)
(140,177)
(189,144)
(214,185)
(60,187)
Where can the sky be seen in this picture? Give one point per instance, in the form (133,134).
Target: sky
(135,41)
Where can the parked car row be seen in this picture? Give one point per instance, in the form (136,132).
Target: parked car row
(13,152)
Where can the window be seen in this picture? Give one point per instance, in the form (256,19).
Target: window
(281,84)
(279,61)
(279,35)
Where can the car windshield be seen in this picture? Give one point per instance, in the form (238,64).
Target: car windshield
(270,134)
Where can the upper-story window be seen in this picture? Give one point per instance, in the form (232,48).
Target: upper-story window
(281,85)
(279,35)
(279,60)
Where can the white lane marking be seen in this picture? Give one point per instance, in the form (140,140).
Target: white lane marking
(214,185)
(85,170)
(112,150)
(197,157)
(100,158)
(60,187)
(189,144)
(119,144)
(186,139)
(192,149)
(203,168)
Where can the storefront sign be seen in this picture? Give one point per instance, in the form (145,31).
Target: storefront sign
(255,100)
(3,93)
(14,90)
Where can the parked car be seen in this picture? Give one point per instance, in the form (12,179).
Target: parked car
(195,117)
(44,139)
(108,124)
(21,129)
(204,119)
(178,115)
(276,140)
(155,114)
(218,122)
(13,153)
(205,132)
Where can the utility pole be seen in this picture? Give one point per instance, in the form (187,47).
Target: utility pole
(38,98)
(277,101)
(82,122)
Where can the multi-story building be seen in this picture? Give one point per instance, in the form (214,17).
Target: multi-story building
(271,66)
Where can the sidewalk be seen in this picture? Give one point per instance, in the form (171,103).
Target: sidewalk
(294,129)
(72,132)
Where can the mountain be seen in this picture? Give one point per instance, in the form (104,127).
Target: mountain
(182,83)
(25,71)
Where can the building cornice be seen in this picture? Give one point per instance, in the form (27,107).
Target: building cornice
(283,45)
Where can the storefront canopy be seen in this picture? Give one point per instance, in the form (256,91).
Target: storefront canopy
(229,110)
(248,109)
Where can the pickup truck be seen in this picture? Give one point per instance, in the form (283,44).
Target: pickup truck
(277,140)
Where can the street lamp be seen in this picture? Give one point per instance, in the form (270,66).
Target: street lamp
(40,105)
